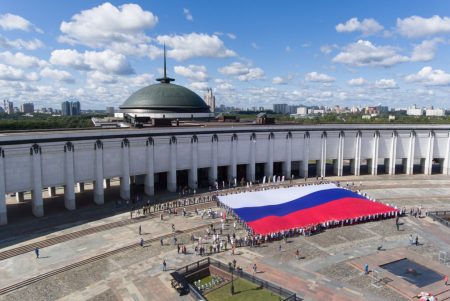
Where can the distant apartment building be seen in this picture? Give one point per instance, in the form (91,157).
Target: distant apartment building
(70,108)
(434,112)
(27,108)
(8,106)
(210,100)
(302,111)
(414,111)
(110,110)
(281,108)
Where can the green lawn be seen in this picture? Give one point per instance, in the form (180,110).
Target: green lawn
(244,291)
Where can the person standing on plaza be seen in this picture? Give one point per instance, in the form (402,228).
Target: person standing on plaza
(254,269)
(297,254)
(446,280)
(36,251)
(140,230)
(417,240)
(164,265)
(142,242)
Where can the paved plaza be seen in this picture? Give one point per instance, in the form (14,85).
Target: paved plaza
(330,267)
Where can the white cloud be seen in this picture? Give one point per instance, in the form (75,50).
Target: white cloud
(9,73)
(319,77)
(416,26)
(15,22)
(187,14)
(235,68)
(105,61)
(59,75)
(193,72)
(430,77)
(357,81)
(199,86)
(366,26)
(253,74)
(279,80)
(97,77)
(425,50)
(21,60)
(183,47)
(21,44)
(231,36)
(327,49)
(386,84)
(254,45)
(364,53)
(106,23)
(288,49)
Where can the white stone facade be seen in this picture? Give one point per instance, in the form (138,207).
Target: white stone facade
(35,161)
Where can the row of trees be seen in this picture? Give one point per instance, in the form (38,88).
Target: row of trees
(43,121)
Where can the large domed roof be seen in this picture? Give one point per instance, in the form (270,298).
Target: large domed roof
(165,97)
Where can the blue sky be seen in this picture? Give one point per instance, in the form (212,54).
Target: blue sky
(250,53)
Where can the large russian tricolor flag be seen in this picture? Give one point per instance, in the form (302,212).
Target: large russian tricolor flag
(268,211)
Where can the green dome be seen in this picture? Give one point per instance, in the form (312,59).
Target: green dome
(165,97)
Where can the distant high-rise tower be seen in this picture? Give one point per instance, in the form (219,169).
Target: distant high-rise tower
(8,106)
(210,100)
(27,108)
(70,108)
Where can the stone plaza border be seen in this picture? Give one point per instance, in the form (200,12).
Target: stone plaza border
(184,275)
(436,216)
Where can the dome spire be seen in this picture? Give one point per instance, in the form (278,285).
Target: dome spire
(165,79)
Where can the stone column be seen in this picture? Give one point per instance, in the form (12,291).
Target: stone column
(232,168)
(356,167)
(410,160)
(339,162)
(37,204)
(172,173)
(373,168)
(212,173)
(321,166)
(99,197)
(125,179)
(268,166)
(20,197)
(3,212)
(80,187)
(287,164)
(69,189)
(51,191)
(149,182)
(193,170)
(446,167)
(106,183)
(429,157)
(305,161)
(250,169)
(393,153)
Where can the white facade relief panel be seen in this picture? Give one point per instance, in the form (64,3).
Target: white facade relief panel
(315,145)
(440,145)
(402,145)
(297,146)
(243,149)
(224,150)
(384,146)
(421,145)
(161,154)
(332,145)
(112,153)
(17,165)
(53,161)
(367,144)
(279,147)
(262,148)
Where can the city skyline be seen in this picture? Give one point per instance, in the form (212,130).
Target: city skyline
(297,53)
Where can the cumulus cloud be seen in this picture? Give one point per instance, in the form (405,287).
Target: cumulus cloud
(21,60)
(430,77)
(327,49)
(366,26)
(386,84)
(235,68)
(319,77)
(105,61)
(425,50)
(416,26)
(357,81)
(253,74)
(21,44)
(59,75)
(199,86)
(183,47)
(9,73)
(106,23)
(187,14)
(193,72)
(279,80)
(254,45)
(231,36)
(364,53)
(15,22)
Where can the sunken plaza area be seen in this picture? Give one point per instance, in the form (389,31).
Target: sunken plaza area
(93,253)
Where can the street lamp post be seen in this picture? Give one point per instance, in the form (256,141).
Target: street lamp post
(232,282)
